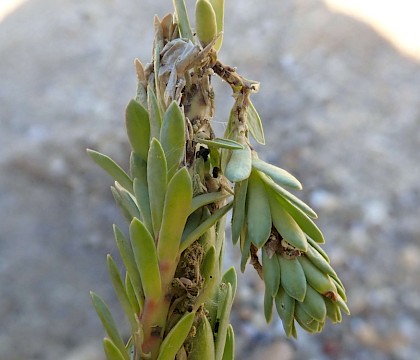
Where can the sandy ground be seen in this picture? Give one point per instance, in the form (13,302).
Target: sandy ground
(341,110)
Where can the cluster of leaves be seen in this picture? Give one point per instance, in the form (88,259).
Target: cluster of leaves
(176,197)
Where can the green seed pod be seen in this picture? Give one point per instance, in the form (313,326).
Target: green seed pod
(205,22)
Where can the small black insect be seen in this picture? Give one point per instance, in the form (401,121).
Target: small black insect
(216,171)
(203,152)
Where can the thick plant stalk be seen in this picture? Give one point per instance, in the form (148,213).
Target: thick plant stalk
(181,184)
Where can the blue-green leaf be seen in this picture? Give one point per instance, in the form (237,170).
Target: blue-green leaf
(157,183)
(203,342)
(290,198)
(230,277)
(254,124)
(106,163)
(111,351)
(238,213)
(229,352)
(146,259)
(286,225)
(183,20)
(141,190)
(131,294)
(121,293)
(176,337)
(138,128)
(127,255)
(278,175)
(271,272)
(268,304)
(172,137)
(258,211)
(108,323)
(175,213)
(204,226)
(223,315)
(206,199)
(221,143)
(154,113)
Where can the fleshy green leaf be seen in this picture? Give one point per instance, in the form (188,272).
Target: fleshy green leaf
(120,292)
(210,272)
(146,259)
(271,272)
(290,198)
(141,191)
(194,220)
(175,213)
(230,277)
(172,137)
(258,211)
(223,315)
(128,202)
(285,306)
(206,199)
(131,295)
(268,305)
(238,213)
(293,278)
(278,175)
(203,342)
(154,113)
(204,226)
(318,248)
(183,20)
(303,220)
(111,351)
(314,304)
(138,128)
(306,321)
(239,165)
(245,249)
(219,9)
(222,143)
(120,203)
(254,124)
(157,183)
(176,337)
(286,226)
(129,261)
(108,323)
(106,163)
(229,352)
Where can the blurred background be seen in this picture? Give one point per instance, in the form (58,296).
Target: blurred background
(340,103)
